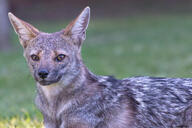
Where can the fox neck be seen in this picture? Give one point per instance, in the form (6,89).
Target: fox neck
(68,84)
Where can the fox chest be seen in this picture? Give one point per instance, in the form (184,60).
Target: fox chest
(89,120)
(93,117)
(68,116)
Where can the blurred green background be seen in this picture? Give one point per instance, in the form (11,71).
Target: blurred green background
(125,38)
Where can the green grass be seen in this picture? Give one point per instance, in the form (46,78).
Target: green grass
(17,122)
(135,46)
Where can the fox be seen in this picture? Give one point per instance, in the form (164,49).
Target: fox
(69,95)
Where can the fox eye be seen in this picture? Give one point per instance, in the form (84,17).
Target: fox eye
(35,57)
(60,57)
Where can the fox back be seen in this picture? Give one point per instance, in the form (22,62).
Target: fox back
(71,96)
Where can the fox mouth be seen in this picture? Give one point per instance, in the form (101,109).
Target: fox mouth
(49,82)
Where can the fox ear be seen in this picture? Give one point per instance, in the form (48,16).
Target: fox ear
(25,31)
(77,28)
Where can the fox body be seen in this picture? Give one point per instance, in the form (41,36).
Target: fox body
(70,96)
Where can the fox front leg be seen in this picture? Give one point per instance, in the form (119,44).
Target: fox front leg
(48,123)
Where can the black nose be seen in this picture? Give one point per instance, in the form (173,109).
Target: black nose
(43,73)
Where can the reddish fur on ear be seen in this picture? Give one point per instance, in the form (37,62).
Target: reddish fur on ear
(33,30)
(69,27)
(24,30)
(76,29)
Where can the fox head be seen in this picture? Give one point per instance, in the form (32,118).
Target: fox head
(53,57)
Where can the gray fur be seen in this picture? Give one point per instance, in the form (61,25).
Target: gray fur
(152,103)
(73,97)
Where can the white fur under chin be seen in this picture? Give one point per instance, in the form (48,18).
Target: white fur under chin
(50,90)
